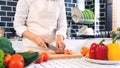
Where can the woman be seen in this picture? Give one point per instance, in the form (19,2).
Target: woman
(40,21)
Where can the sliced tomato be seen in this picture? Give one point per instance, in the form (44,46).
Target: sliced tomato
(70,52)
(57,52)
(67,51)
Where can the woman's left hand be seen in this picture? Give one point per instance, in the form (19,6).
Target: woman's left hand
(60,42)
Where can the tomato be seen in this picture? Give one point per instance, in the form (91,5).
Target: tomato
(43,57)
(15,63)
(18,56)
(7,59)
(70,52)
(57,52)
(67,51)
(46,56)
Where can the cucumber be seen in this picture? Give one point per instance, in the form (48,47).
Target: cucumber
(29,57)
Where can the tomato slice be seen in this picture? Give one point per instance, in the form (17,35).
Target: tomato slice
(57,52)
(67,51)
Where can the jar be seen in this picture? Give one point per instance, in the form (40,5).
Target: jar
(1,32)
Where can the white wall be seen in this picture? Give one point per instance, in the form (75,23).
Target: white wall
(116,14)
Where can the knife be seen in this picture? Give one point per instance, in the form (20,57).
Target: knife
(53,48)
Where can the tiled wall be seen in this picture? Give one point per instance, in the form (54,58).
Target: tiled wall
(7,11)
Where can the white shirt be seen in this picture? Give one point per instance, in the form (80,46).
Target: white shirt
(46,18)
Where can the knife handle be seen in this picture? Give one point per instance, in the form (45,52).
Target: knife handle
(47,44)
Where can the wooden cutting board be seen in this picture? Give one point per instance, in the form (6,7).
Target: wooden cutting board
(54,56)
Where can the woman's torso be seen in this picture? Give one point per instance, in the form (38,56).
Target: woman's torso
(42,20)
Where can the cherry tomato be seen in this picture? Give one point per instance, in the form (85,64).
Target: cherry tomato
(15,63)
(43,57)
(7,59)
(46,56)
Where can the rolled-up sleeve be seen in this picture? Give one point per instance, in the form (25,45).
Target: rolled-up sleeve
(20,17)
(62,22)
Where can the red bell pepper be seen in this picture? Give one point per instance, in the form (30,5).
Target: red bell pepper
(92,52)
(98,51)
(101,51)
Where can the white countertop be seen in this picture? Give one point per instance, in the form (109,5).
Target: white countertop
(73,44)
(71,63)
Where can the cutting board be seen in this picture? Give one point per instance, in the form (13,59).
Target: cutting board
(54,56)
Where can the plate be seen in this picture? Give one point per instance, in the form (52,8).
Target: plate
(82,30)
(76,15)
(106,62)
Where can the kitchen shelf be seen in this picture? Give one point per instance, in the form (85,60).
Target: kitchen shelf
(87,21)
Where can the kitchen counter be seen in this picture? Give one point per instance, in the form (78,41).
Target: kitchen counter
(70,63)
(73,44)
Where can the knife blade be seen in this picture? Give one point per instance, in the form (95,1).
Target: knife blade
(53,48)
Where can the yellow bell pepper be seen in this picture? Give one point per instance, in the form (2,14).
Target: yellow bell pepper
(114,50)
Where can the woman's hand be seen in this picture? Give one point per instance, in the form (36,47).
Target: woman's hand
(60,42)
(39,41)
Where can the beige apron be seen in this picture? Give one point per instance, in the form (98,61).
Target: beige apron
(42,20)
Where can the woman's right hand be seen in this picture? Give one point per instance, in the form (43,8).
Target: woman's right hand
(39,41)
(36,38)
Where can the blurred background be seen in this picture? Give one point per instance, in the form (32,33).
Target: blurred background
(100,21)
